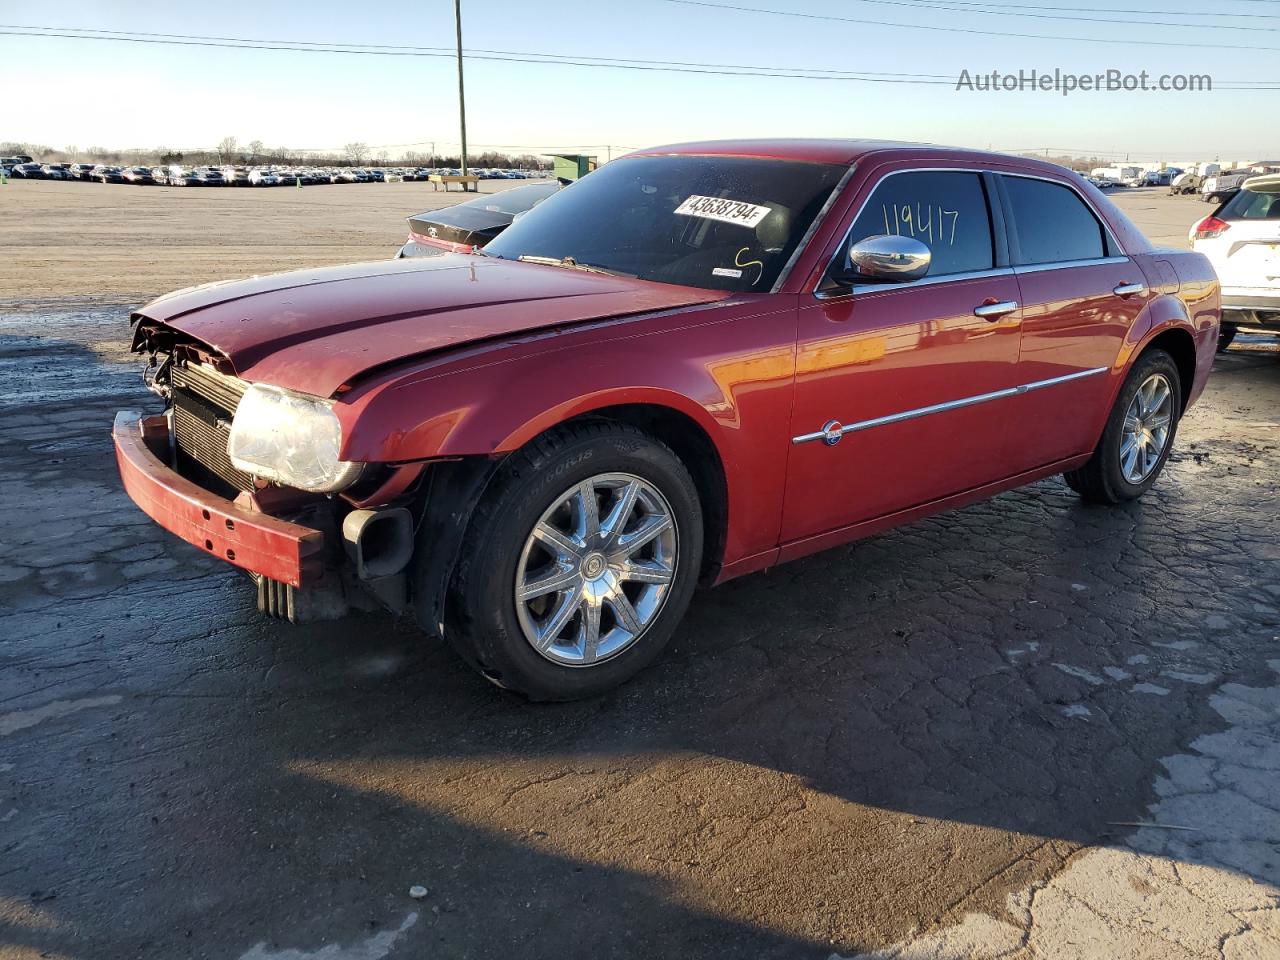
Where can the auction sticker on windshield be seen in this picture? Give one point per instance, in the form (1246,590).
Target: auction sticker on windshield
(728,211)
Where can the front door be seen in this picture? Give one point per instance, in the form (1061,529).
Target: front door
(902,391)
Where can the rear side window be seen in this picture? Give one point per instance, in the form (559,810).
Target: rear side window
(945,211)
(1051,224)
(1260,202)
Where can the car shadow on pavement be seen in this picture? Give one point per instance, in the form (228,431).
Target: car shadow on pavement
(831,755)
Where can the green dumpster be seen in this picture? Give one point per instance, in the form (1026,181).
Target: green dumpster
(572,166)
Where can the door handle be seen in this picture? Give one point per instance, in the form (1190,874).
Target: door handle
(994,311)
(1129,289)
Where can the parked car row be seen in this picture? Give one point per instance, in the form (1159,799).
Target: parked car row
(174,175)
(1133,177)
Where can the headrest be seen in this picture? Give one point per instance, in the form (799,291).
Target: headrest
(772,232)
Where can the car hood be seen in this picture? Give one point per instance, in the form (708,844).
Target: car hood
(315,330)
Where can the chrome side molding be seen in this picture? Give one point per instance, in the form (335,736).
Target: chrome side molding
(833,430)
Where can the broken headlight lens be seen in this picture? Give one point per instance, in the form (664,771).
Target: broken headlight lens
(291,439)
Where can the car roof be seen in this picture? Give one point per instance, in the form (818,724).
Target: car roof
(839,151)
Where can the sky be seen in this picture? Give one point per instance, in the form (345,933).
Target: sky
(64,92)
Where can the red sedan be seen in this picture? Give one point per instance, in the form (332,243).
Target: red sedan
(696,362)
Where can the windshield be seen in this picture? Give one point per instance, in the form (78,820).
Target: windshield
(1255,202)
(725,223)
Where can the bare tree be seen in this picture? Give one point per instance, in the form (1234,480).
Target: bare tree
(227,149)
(356,152)
(255,150)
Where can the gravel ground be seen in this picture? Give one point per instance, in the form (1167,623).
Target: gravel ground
(932,744)
(115,243)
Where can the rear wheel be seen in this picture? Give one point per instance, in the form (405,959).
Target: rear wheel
(1138,437)
(578,564)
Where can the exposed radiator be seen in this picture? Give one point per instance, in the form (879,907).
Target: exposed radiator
(204,402)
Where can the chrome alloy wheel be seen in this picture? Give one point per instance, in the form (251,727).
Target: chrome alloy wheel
(596,569)
(1147,426)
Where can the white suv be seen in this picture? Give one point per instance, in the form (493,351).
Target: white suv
(1242,240)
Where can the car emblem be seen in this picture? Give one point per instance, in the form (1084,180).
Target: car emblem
(432,232)
(832,431)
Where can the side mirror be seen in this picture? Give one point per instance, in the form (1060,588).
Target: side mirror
(889,258)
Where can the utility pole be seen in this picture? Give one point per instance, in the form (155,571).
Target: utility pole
(462,100)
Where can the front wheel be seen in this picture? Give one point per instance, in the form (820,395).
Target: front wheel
(1138,437)
(578,563)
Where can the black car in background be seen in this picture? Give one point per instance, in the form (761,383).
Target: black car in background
(139,175)
(81,171)
(465,226)
(27,171)
(106,174)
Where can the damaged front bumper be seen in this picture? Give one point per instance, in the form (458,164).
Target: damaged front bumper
(301,571)
(288,553)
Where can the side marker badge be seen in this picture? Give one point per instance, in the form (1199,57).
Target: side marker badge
(832,431)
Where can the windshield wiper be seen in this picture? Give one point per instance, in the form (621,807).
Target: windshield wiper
(572,264)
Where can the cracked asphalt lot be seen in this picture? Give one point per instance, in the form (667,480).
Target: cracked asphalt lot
(936,743)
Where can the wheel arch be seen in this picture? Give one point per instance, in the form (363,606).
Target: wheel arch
(675,420)
(1181,346)
(456,486)
(698,452)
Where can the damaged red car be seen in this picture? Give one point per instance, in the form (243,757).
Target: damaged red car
(695,363)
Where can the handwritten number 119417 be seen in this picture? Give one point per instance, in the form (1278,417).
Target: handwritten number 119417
(922,220)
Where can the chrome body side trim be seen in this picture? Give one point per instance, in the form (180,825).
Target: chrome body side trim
(1067,264)
(864,288)
(826,433)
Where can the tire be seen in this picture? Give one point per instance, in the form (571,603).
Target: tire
(542,485)
(1226,334)
(1105,478)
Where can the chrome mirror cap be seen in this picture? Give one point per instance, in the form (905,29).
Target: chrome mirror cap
(890,258)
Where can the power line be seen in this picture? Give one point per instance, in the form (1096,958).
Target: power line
(549,59)
(861,21)
(798,73)
(533,58)
(1006,11)
(1154,13)
(470,51)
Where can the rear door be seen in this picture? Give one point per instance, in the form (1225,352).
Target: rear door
(1080,294)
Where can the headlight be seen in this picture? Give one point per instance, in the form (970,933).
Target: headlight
(289,438)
